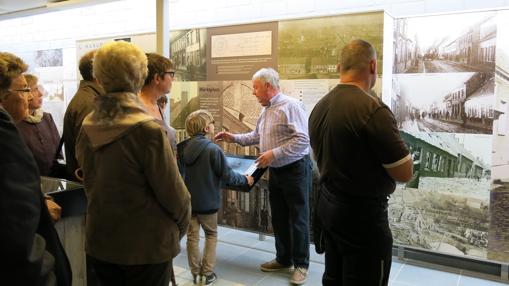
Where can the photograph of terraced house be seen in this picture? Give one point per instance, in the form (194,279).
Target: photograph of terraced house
(444,102)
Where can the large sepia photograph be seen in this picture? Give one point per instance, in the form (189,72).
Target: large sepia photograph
(310,48)
(448,102)
(447,43)
(444,207)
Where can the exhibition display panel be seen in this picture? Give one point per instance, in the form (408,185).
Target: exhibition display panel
(445,77)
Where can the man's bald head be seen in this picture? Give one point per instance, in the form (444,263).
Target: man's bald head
(356,56)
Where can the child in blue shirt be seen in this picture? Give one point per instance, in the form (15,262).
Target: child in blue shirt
(205,171)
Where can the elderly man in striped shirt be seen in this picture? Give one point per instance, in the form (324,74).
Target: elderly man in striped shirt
(282,132)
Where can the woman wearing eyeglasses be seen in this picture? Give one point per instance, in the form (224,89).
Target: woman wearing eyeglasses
(157,84)
(39,130)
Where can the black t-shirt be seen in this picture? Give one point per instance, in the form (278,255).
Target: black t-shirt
(354,134)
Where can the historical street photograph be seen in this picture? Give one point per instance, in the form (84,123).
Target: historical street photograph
(187,50)
(446,43)
(448,102)
(498,243)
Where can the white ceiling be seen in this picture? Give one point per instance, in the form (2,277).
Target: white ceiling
(20,8)
(10,6)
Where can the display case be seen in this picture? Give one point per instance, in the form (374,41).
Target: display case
(70,196)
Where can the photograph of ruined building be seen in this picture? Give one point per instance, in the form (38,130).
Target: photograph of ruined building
(447,43)
(444,102)
(445,205)
(249,211)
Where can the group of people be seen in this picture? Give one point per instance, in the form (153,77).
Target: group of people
(145,191)
(29,242)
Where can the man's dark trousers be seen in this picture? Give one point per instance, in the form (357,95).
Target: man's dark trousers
(289,188)
(358,240)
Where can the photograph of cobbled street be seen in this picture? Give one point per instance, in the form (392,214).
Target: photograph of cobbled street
(445,205)
(446,43)
(446,102)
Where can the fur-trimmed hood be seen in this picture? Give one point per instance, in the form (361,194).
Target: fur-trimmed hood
(114,115)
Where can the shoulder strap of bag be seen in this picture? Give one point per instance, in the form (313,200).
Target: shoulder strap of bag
(59,149)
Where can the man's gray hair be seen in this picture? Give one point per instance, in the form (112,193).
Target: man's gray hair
(356,56)
(269,75)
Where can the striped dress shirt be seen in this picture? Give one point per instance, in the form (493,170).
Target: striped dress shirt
(282,127)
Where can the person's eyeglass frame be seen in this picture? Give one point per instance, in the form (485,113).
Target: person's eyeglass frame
(24,90)
(171,73)
(27,92)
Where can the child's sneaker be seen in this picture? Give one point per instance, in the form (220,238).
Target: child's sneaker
(210,279)
(196,279)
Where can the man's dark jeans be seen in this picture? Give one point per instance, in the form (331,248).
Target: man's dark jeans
(289,188)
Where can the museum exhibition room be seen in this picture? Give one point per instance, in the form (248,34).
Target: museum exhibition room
(440,67)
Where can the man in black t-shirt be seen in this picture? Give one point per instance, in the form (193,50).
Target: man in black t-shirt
(360,155)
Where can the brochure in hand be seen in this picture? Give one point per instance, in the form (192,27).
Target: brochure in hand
(245,165)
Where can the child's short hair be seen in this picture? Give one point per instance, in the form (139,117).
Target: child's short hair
(197,121)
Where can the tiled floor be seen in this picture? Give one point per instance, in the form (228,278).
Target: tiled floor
(239,255)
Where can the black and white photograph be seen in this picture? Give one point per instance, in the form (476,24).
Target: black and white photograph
(187,52)
(241,110)
(444,207)
(459,164)
(446,102)
(49,58)
(498,244)
(444,223)
(183,101)
(446,43)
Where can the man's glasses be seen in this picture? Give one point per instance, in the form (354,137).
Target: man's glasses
(171,73)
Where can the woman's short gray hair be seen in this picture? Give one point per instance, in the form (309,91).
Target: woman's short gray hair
(269,75)
(120,67)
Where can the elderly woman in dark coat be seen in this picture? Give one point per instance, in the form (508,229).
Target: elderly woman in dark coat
(39,130)
(138,206)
